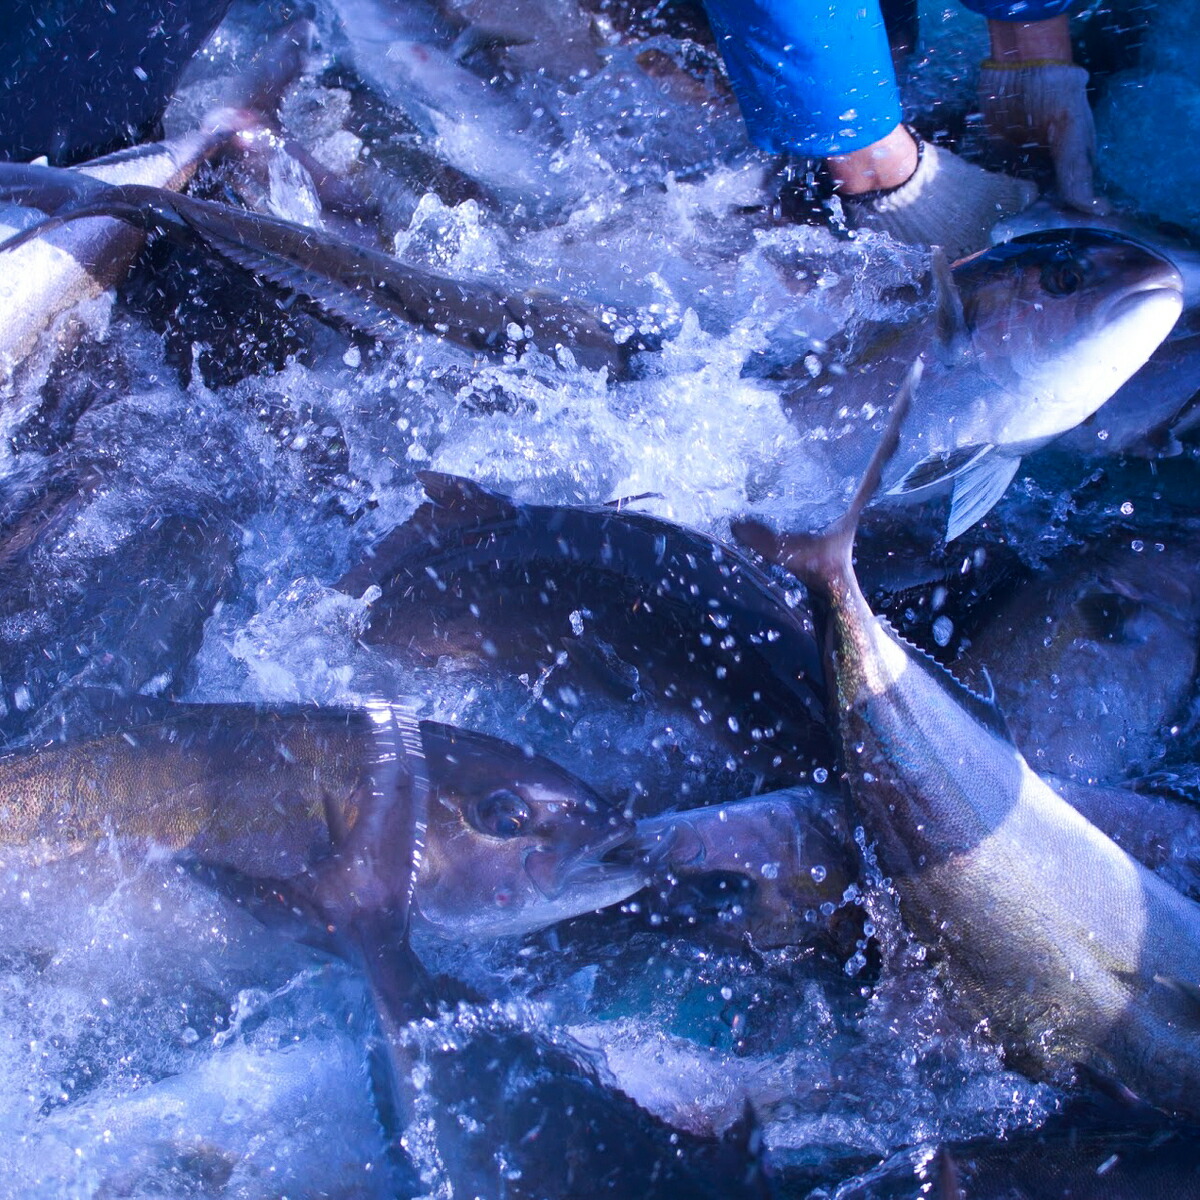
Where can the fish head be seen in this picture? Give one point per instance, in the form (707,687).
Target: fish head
(1058,320)
(514,842)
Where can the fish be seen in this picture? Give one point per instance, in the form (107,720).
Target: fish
(1142,416)
(1025,340)
(618,602)
(1147,819)
(366,288)
(1176,245)
(507,1111)
(97,602)
(1095,656)
(46,283)
(557,37)
(778,867)
(510,842)
(1154,412)
(781,863)
(1067,950)
(382,828)
(405,53)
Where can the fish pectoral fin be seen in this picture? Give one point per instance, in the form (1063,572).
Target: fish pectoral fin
(1188,990)
(977,488)
(939,468)
(953,335)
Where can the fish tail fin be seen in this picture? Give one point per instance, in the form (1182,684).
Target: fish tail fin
(825,559)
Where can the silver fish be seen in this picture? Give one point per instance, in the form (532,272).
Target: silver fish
(45,278)
(1174,245)
(1027,339)
(499,842)
(364,287)
(404,53)
(1143,415)
(789,847)
(1068,949)
(1111,660)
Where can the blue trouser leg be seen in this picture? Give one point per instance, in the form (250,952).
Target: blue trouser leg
(813,77)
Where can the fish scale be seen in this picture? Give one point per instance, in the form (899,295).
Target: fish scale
(1069,950)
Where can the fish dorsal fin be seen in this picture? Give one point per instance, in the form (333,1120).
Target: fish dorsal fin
(455,505)
(950,321)
(983,709)
(938,468)
(465,498)
(977,490)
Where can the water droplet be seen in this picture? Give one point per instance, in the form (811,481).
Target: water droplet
(818,873)
(943,630)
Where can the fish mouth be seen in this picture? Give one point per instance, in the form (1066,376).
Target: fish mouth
(1160,291)
(662,845)
(589,867)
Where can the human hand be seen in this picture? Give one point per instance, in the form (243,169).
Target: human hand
(1044,103)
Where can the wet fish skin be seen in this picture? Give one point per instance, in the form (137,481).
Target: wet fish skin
(364,287)
(1067,948)
(508,1111)
(84,623)
(791,850)
(1113,658)
(662,614)
(484,789)
(1176,245)
(1076,1156)
(253,790)
(405,54)
(791,847)
(45,278)
(1027,339)
(1142,415)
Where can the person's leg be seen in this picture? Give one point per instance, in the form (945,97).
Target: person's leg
(815,78)
(812,78)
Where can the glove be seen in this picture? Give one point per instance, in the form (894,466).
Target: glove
(1045,103)
(947,202)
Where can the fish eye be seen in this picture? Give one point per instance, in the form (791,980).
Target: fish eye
(500,814)
(1064,277)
